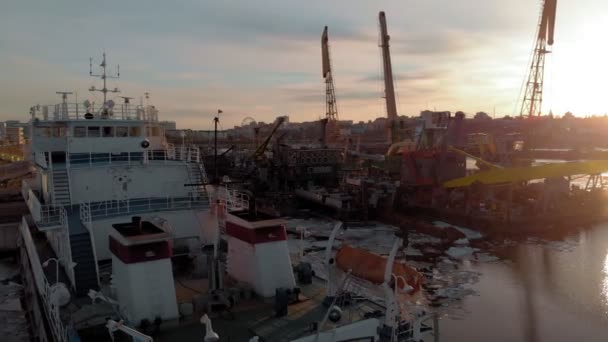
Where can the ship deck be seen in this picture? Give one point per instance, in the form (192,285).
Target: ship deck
(256,317)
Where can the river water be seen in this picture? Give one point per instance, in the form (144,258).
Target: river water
(538,291)
(550,289)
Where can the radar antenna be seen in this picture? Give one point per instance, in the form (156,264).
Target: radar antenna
(64,95)
(104,76)
(64,101)
(127,100)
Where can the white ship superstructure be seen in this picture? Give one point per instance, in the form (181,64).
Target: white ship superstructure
(97,166)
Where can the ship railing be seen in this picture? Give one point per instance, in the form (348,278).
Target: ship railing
(233,200)
(142,205)
(47,217)
(189,154)
(40,160)
(51,310)
(76,111)
(66,246)
(60,241)
(87,221)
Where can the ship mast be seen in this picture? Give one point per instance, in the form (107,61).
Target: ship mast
(533,95)
(389,89)
(104,76)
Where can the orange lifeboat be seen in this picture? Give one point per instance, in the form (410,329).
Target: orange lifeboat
(370,266)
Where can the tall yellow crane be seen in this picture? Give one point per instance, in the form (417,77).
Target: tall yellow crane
(533,95)
(332,131)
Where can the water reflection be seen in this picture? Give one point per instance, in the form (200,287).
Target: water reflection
(548,291)
(605,285)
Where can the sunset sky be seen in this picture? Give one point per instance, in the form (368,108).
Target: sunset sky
(262,58)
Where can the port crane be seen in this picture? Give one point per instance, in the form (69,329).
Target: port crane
(332,131)
(533,95)
(389,89)
(258,155)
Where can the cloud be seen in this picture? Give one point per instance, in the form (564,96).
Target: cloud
(410,76)
(263,59)
(444,42)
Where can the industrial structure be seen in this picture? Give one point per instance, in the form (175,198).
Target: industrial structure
(533,94)
(332,130)
(389,88)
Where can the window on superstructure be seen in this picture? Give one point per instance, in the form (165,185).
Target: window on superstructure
(43,132)
(58,132)
(135,131)
(122,131)
(152,131)
(93,131)
(108,132)
(80,131)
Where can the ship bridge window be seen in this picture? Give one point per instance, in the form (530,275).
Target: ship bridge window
(122,131)
(58,132)
(93,131)
(108,132)
(152,131)
(80,132)
(135,131)
(43,131)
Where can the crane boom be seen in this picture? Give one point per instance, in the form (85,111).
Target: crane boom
(389,89)
(259,152)
(533,95)
(331,109)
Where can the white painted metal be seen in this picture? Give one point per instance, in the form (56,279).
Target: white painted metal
(145,290)
(114,326)
(391,315)
(46,216)
(365,330)
(113,165)
(330,266)
(85,218)
(265,266)
(58,330)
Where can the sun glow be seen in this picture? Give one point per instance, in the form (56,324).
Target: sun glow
(605,283)
(575,75)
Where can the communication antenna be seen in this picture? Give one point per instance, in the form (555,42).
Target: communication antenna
(104,76)
(64,101)
(64,95)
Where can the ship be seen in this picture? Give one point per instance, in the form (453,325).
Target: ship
(126,238)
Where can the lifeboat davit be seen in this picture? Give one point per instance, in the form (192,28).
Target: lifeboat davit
(370,266)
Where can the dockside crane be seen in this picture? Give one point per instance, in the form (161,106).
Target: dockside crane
(533,95)
(389,89)
(258,155)
(332,131)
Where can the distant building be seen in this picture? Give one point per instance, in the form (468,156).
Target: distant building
(14,136)
(2,131)
(15,123)
(168,125)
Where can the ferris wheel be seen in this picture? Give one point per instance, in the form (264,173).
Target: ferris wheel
(248,121)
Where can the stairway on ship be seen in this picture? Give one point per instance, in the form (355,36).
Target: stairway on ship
(61,187)
(85,272)
(198,179)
